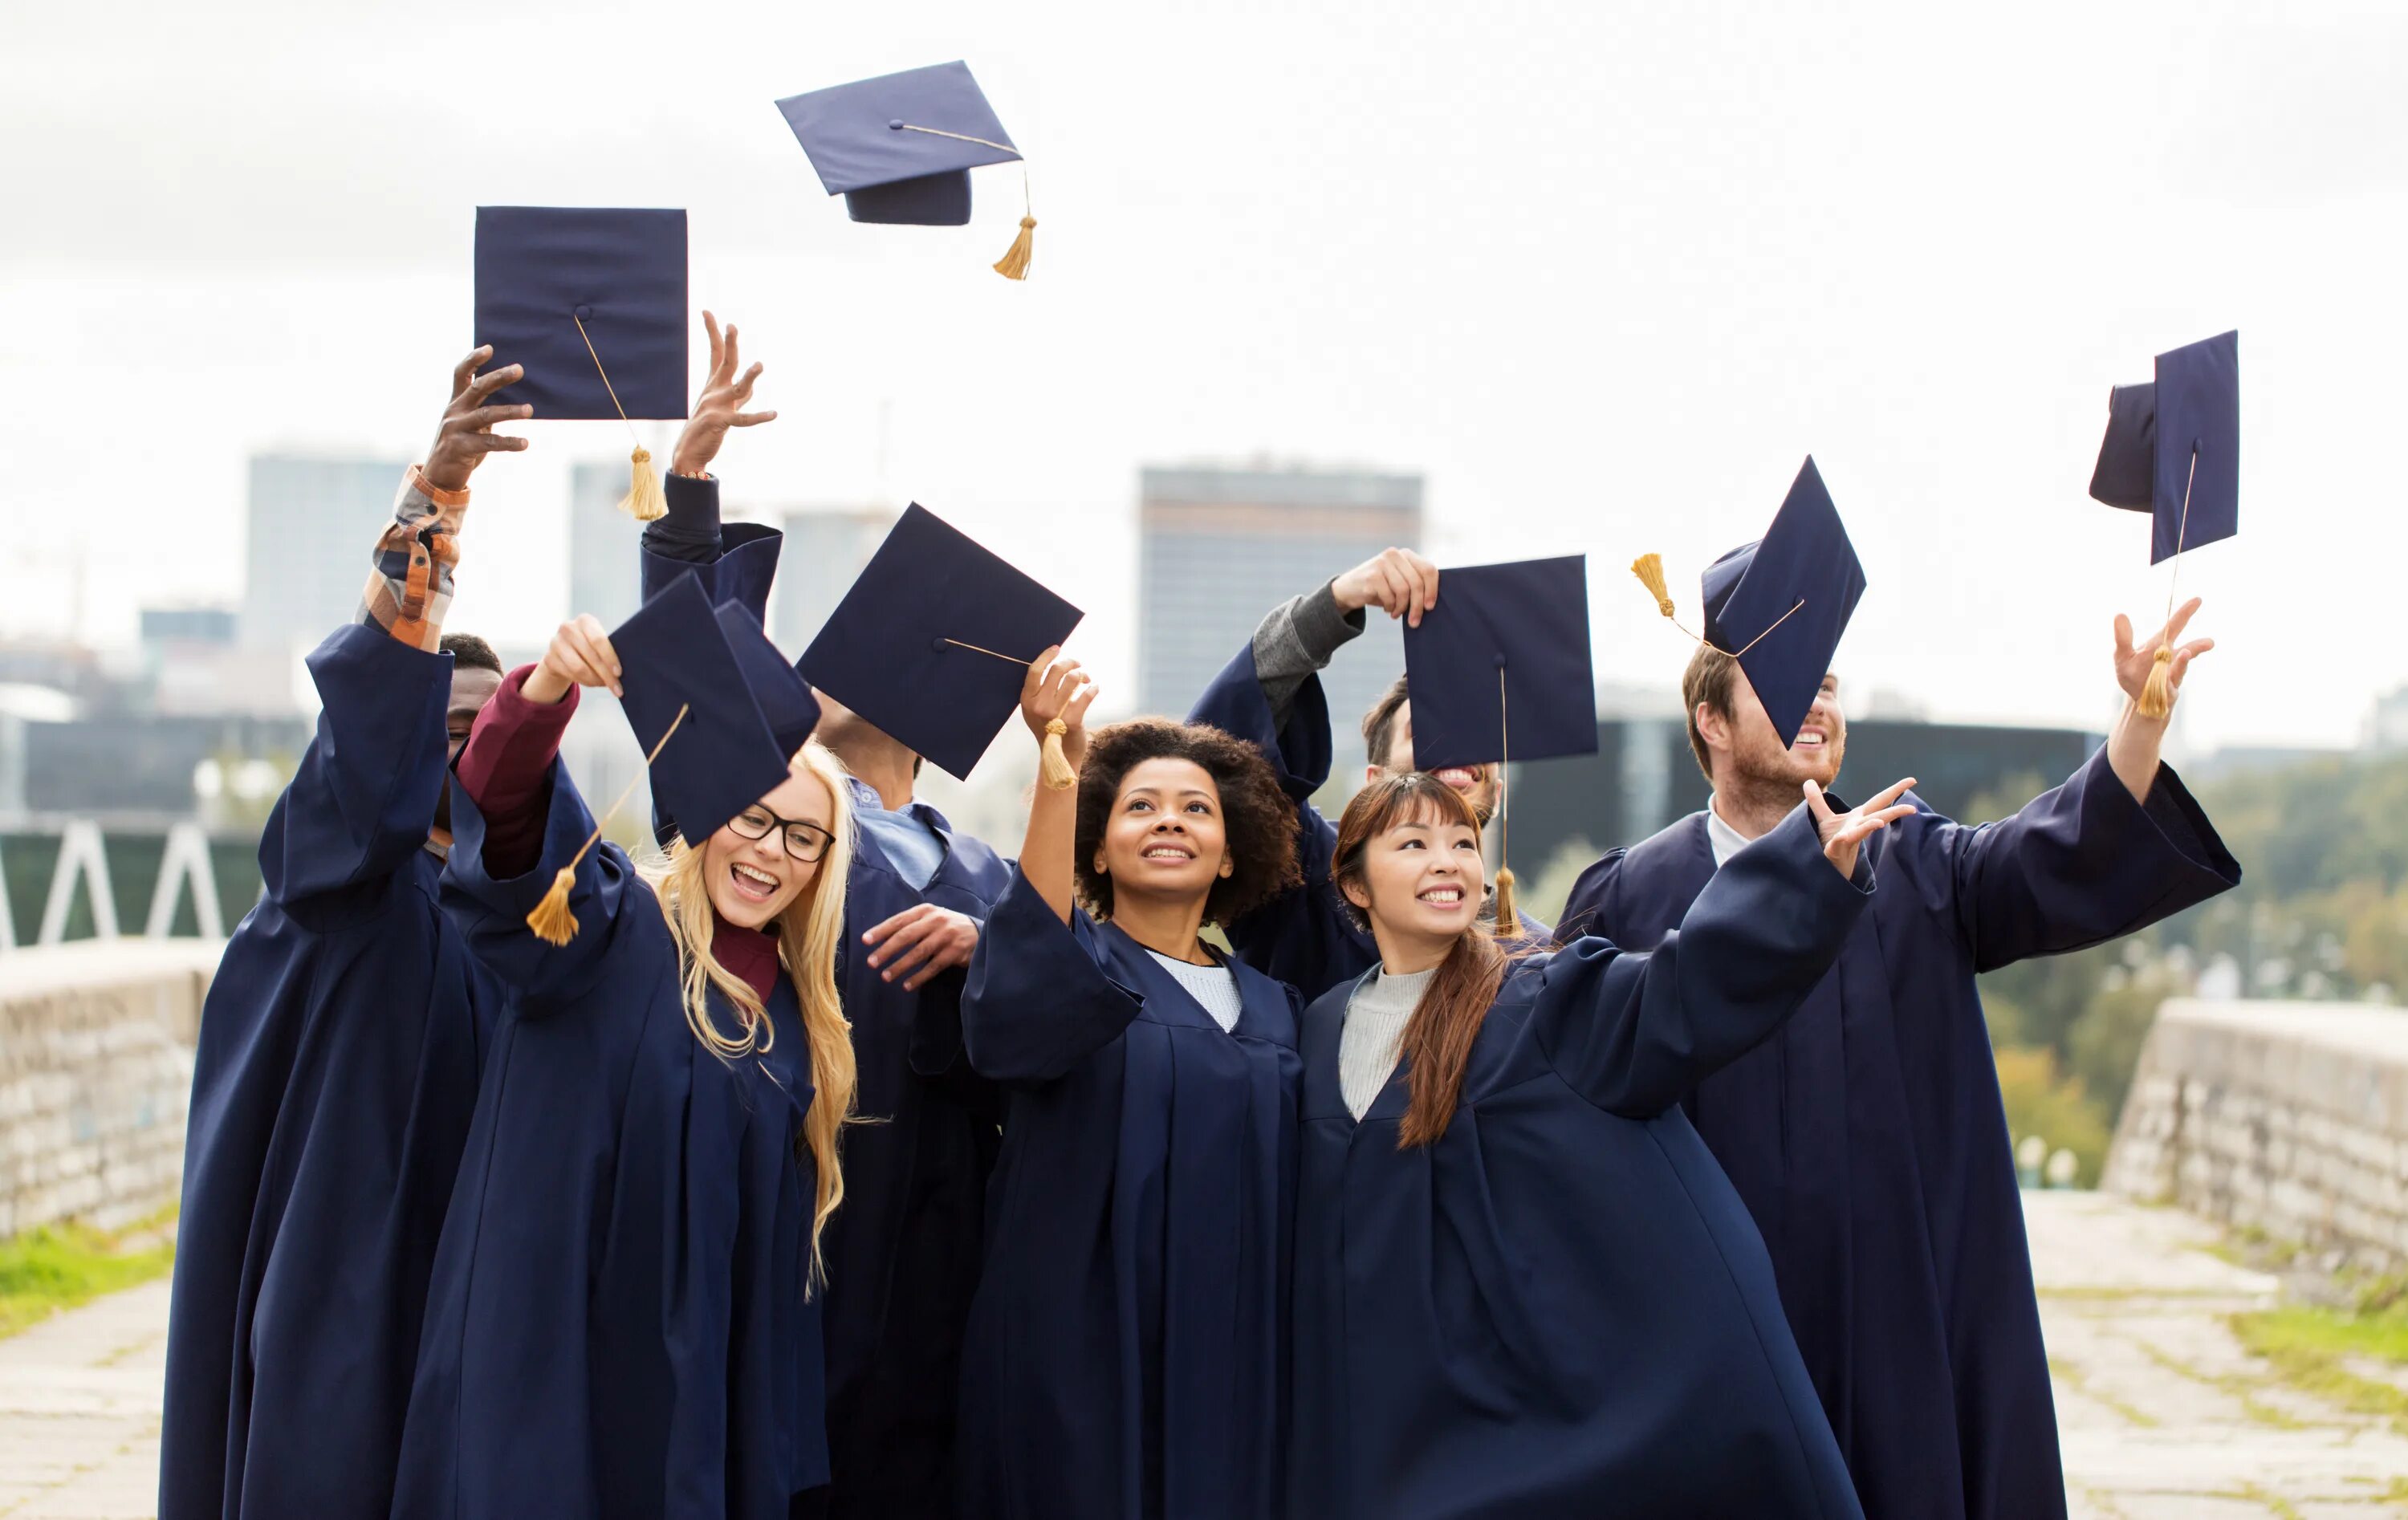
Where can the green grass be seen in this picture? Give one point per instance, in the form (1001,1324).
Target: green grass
(60,1266)
(2307,1346)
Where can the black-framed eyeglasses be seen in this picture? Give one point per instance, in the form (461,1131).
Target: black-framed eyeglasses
(805,842)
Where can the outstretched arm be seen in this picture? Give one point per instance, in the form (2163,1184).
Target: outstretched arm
(1634,1031)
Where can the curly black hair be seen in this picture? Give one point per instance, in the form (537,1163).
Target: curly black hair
(1256,815)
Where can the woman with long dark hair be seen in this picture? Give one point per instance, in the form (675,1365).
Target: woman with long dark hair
(1123,1356)
(1523,1288)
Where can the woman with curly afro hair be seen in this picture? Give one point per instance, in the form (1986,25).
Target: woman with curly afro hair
(1125,1354)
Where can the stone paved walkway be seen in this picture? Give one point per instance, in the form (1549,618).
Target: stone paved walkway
(79,1410)
(2164,1415)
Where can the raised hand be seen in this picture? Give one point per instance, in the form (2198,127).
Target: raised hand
(2133,661)
(718,407)
(1055,689)
(1397,581)
(579,655)
(464,435)
(1845,833)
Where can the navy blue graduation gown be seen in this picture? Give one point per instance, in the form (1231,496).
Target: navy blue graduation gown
(1868,1139)
(1304,936)
(1125,1351)
(1560,1308)
(903,1251)
(619,1322)
(332,1090)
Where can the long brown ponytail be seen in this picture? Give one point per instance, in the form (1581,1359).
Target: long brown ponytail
(1437,1042)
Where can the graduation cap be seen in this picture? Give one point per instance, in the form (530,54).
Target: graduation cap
(592,302)
(899,149)
(2172,449)
(779,689)
(1499,669)
(690,697)
(1778,606)
(933,643)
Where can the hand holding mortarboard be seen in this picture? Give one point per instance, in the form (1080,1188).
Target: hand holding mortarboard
(465,435)
(1843,834)
(1397,581)
(579,655)
(716,410)
(2134,664)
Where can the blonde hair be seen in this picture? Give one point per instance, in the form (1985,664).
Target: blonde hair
(810,931)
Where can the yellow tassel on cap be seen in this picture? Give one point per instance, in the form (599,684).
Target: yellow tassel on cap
(1052,762)
(2157,696)
(550,920)
(1508,923)
(644,501)
(1649,568)
(1014,263)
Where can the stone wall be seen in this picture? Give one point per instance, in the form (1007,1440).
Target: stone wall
(95,1066)
(2291,1118)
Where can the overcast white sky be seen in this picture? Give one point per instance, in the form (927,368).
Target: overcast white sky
(1603,272)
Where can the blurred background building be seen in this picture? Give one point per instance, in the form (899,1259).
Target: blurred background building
(1221,545)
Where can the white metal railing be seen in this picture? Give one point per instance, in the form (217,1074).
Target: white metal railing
(84,862)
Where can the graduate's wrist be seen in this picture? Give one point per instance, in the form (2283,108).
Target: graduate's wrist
(441,485)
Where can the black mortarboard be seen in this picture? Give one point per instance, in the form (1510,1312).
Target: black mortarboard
(1499,668)
(899,148)
(1780,605)
(2172,447)
(545,271)
(783,695)
(932,642)
(723,757)
(592,301)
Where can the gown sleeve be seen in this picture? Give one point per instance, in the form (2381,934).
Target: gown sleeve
(1631,1032)
(737,561)
(1038,1001)
(516,820)
(1296,936)
(364,797)
(2076,865)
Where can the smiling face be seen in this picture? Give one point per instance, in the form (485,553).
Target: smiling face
(1420,883)
(1754,752)
(750,882)
(1165,837)
(1476,784)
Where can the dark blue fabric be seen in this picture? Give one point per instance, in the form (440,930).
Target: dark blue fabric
(1518,629)
(1560,1308)
(332,1090)
(619,1323)
(1125,1356)
(903,1251)
(1303,936)
(543,270)
(855,134)
(737,561)
(1781,604)
(1868,1139)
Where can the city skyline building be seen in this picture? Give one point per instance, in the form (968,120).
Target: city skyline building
(1220,545)
(311,520)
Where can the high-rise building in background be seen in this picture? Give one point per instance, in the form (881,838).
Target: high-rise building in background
(826,548)
(603,577)
(313,522)
(1219,546)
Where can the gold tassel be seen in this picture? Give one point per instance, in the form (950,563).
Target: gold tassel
(1509,922)
(1052,762)
(550,920)
(2157,696)
(1649,568)
(1014,263)
(644,501)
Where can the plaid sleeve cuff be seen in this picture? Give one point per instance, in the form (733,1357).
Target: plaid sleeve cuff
(410,590)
